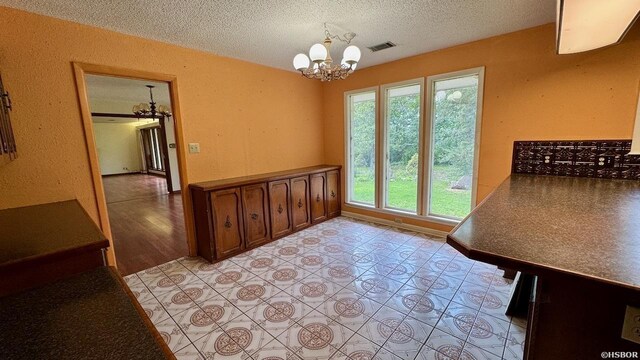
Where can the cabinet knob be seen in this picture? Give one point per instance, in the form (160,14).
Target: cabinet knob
(280,209)
(254,216)
(227,223)
(333,194)
(318,198)
(299,203)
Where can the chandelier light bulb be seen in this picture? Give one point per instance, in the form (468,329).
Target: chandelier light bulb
(351,54)
(346,64)
(318,53)
(300,62)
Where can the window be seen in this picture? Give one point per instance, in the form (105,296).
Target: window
(427,167)
(402,117)
(454,135)
(151,142)
(361,147)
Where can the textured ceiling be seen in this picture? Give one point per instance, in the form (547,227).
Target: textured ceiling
(272,32)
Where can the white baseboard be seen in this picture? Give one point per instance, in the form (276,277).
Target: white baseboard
(419,229)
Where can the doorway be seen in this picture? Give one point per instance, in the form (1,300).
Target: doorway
(137,168)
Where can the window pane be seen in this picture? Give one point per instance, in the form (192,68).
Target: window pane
(402,137)
(362,148)
(453,121)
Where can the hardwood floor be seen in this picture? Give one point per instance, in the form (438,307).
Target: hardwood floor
(147,222)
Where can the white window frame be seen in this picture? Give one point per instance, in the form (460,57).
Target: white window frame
(347,147)
(383,196)
(425,146)
(428,151)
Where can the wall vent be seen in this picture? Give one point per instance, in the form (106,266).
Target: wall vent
(382,46)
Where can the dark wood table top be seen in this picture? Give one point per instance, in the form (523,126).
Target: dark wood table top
(549,224)
(273,176)
(89,316)
(34,231)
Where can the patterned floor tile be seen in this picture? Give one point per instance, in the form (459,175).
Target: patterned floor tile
(247,334)
(445,344)
(379,331)
(313,290)
(172,335)
(218,345)
(274,350)
(427,353)
(375,290)
(195,322)
(154,310)
(285,275)
(175,301)
(358,347)
(188,353)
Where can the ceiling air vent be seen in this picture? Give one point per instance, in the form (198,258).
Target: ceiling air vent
(382,46)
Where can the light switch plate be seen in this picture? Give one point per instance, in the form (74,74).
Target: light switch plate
(631,326)
(194,148)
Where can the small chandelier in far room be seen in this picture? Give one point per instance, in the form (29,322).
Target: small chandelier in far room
(149,110)
(319,65)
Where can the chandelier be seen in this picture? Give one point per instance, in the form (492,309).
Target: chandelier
(149,110)
(319,65)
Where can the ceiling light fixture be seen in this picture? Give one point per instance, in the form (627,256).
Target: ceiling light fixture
(149,110)
(319,65)
(584,25)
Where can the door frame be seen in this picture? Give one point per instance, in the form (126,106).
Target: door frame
(80,71)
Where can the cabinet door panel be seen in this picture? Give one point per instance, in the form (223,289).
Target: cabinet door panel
(227,222)
(279,195)
(318,197)
(333,193)
(300,202)
(255,207)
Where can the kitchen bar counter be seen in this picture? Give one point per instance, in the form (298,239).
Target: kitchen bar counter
(88,316)
(580,238)
(579,226)
(47,242)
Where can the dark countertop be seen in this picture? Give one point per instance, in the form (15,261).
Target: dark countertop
(549,224)
(273,176)
(89,316)
(40,230)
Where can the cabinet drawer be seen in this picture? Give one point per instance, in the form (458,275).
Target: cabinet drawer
(333,193)
(318,186)
(227,222)
(300,202)
(279,206)
(255,208)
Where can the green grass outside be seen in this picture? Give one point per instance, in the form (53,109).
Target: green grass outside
(403,194)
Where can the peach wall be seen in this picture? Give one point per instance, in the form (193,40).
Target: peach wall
(247,118)
(530,93)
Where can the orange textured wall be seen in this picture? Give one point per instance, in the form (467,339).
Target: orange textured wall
(530,93)
(247,118)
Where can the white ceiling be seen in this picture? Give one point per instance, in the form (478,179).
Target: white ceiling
(272,32)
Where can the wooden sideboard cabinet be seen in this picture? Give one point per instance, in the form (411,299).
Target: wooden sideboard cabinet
(238,214)
(300,215)
(279,204)
(318,197)
(228,227)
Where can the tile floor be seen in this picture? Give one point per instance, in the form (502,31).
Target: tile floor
(343,289)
